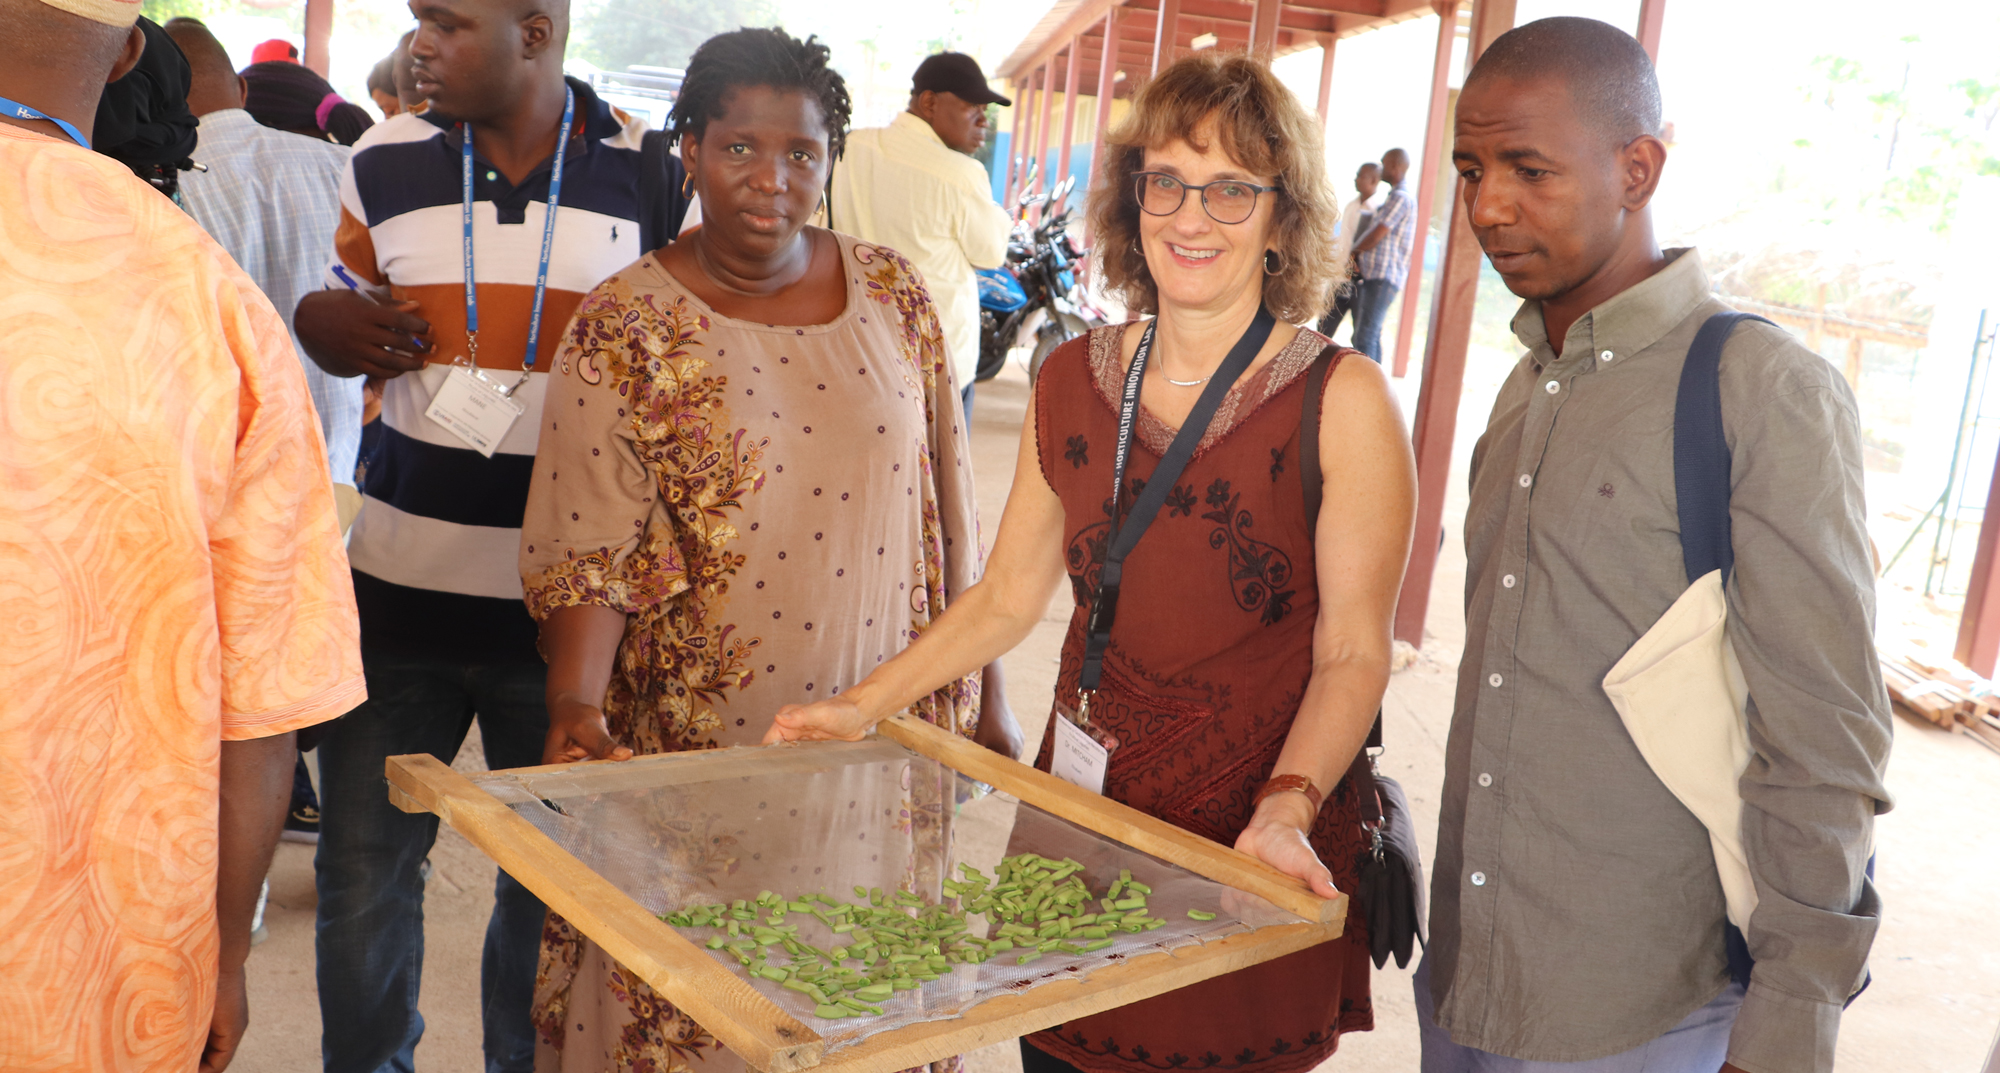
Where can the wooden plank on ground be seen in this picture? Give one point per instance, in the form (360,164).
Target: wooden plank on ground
(687,976)
(1211,860)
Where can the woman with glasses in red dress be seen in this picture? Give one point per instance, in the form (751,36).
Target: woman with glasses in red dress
(1241,640)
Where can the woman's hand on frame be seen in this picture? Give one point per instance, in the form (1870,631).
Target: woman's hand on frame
(577,732)
(832,719)
(1277,836)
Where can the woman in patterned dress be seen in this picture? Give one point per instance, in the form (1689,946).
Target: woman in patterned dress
(1251,645)
(760,490)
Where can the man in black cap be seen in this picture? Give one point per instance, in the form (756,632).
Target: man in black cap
(913,186)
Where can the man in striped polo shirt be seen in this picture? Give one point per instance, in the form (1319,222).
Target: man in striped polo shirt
(445,635)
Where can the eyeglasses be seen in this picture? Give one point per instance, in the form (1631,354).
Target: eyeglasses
(1227,201)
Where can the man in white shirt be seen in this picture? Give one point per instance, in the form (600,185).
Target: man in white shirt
(1355,221)
(272,199)
(913,186)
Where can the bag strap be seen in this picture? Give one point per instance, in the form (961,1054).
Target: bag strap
(1125,533)
(1701,491)
(1701,452)
(1309,474)
(1310,478)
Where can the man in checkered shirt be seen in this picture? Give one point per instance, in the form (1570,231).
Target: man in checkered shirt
(1384,255)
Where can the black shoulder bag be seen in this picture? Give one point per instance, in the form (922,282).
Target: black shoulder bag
(1390,881)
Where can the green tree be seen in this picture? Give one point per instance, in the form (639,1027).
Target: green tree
(615,34)
(1926,152)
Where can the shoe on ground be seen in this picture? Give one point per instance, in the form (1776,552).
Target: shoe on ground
(302,825)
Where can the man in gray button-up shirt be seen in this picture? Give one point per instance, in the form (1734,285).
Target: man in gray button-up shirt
(1577,914)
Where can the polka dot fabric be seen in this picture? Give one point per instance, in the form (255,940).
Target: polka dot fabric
(778,509)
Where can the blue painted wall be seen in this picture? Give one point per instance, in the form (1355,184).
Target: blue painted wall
(1079,166)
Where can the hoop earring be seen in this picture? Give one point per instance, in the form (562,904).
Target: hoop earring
(1269,257)
(687,188)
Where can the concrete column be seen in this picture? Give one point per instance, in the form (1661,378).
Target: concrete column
(1325,76)
(1016,154)
(1071,75)
(1107,82)
(319,27)
(1652,15)
(1979,624)
(1045,113)
(1165,32)
(1034,106)
(1444,369)
(1430,157)
(1264,28)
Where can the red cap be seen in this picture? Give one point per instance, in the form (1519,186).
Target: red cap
(277,49)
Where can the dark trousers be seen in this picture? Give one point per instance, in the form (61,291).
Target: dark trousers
(370,935)
(1342,304)
(1371,308)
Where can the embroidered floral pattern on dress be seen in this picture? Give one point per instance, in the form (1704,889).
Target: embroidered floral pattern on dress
(678,656)
(1258,571)
(1207,666)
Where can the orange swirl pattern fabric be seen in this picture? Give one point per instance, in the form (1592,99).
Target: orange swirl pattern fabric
(171,576)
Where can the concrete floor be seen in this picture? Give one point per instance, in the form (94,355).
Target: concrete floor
(1933,1007)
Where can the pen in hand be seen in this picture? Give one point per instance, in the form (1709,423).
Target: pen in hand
(340,272)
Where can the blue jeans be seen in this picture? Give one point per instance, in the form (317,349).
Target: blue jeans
(966,398)
(1699,1044)
(370,936)
(1371,308)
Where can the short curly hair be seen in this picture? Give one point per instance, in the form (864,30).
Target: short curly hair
(1262,127)
(759,56)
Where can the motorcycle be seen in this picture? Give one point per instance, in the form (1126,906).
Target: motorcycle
(1035,295)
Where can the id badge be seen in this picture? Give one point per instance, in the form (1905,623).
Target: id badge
(474,409)
(1078,757)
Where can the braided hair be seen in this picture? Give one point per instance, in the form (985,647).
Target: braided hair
(758,56)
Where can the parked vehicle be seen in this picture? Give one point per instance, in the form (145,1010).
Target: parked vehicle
(1034,299)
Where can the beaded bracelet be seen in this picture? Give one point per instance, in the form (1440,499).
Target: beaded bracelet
(1278,784)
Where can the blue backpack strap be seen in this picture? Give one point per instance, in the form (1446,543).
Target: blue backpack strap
(1701,484)
(1701,452)
(1701,488)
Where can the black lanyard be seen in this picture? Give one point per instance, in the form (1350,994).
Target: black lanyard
(1123,538)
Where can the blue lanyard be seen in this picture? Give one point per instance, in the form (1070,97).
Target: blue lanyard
(22,111)
(548,241)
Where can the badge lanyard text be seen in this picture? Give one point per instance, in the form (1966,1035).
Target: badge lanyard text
(18,110)
(1125,532)
(1104,603)
(471,359)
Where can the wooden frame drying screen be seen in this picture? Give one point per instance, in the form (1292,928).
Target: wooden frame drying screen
(770,1039)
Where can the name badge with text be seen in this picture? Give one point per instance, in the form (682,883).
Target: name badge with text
(474,409)
(1077,758)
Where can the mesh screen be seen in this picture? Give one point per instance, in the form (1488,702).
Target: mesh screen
(827,818)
